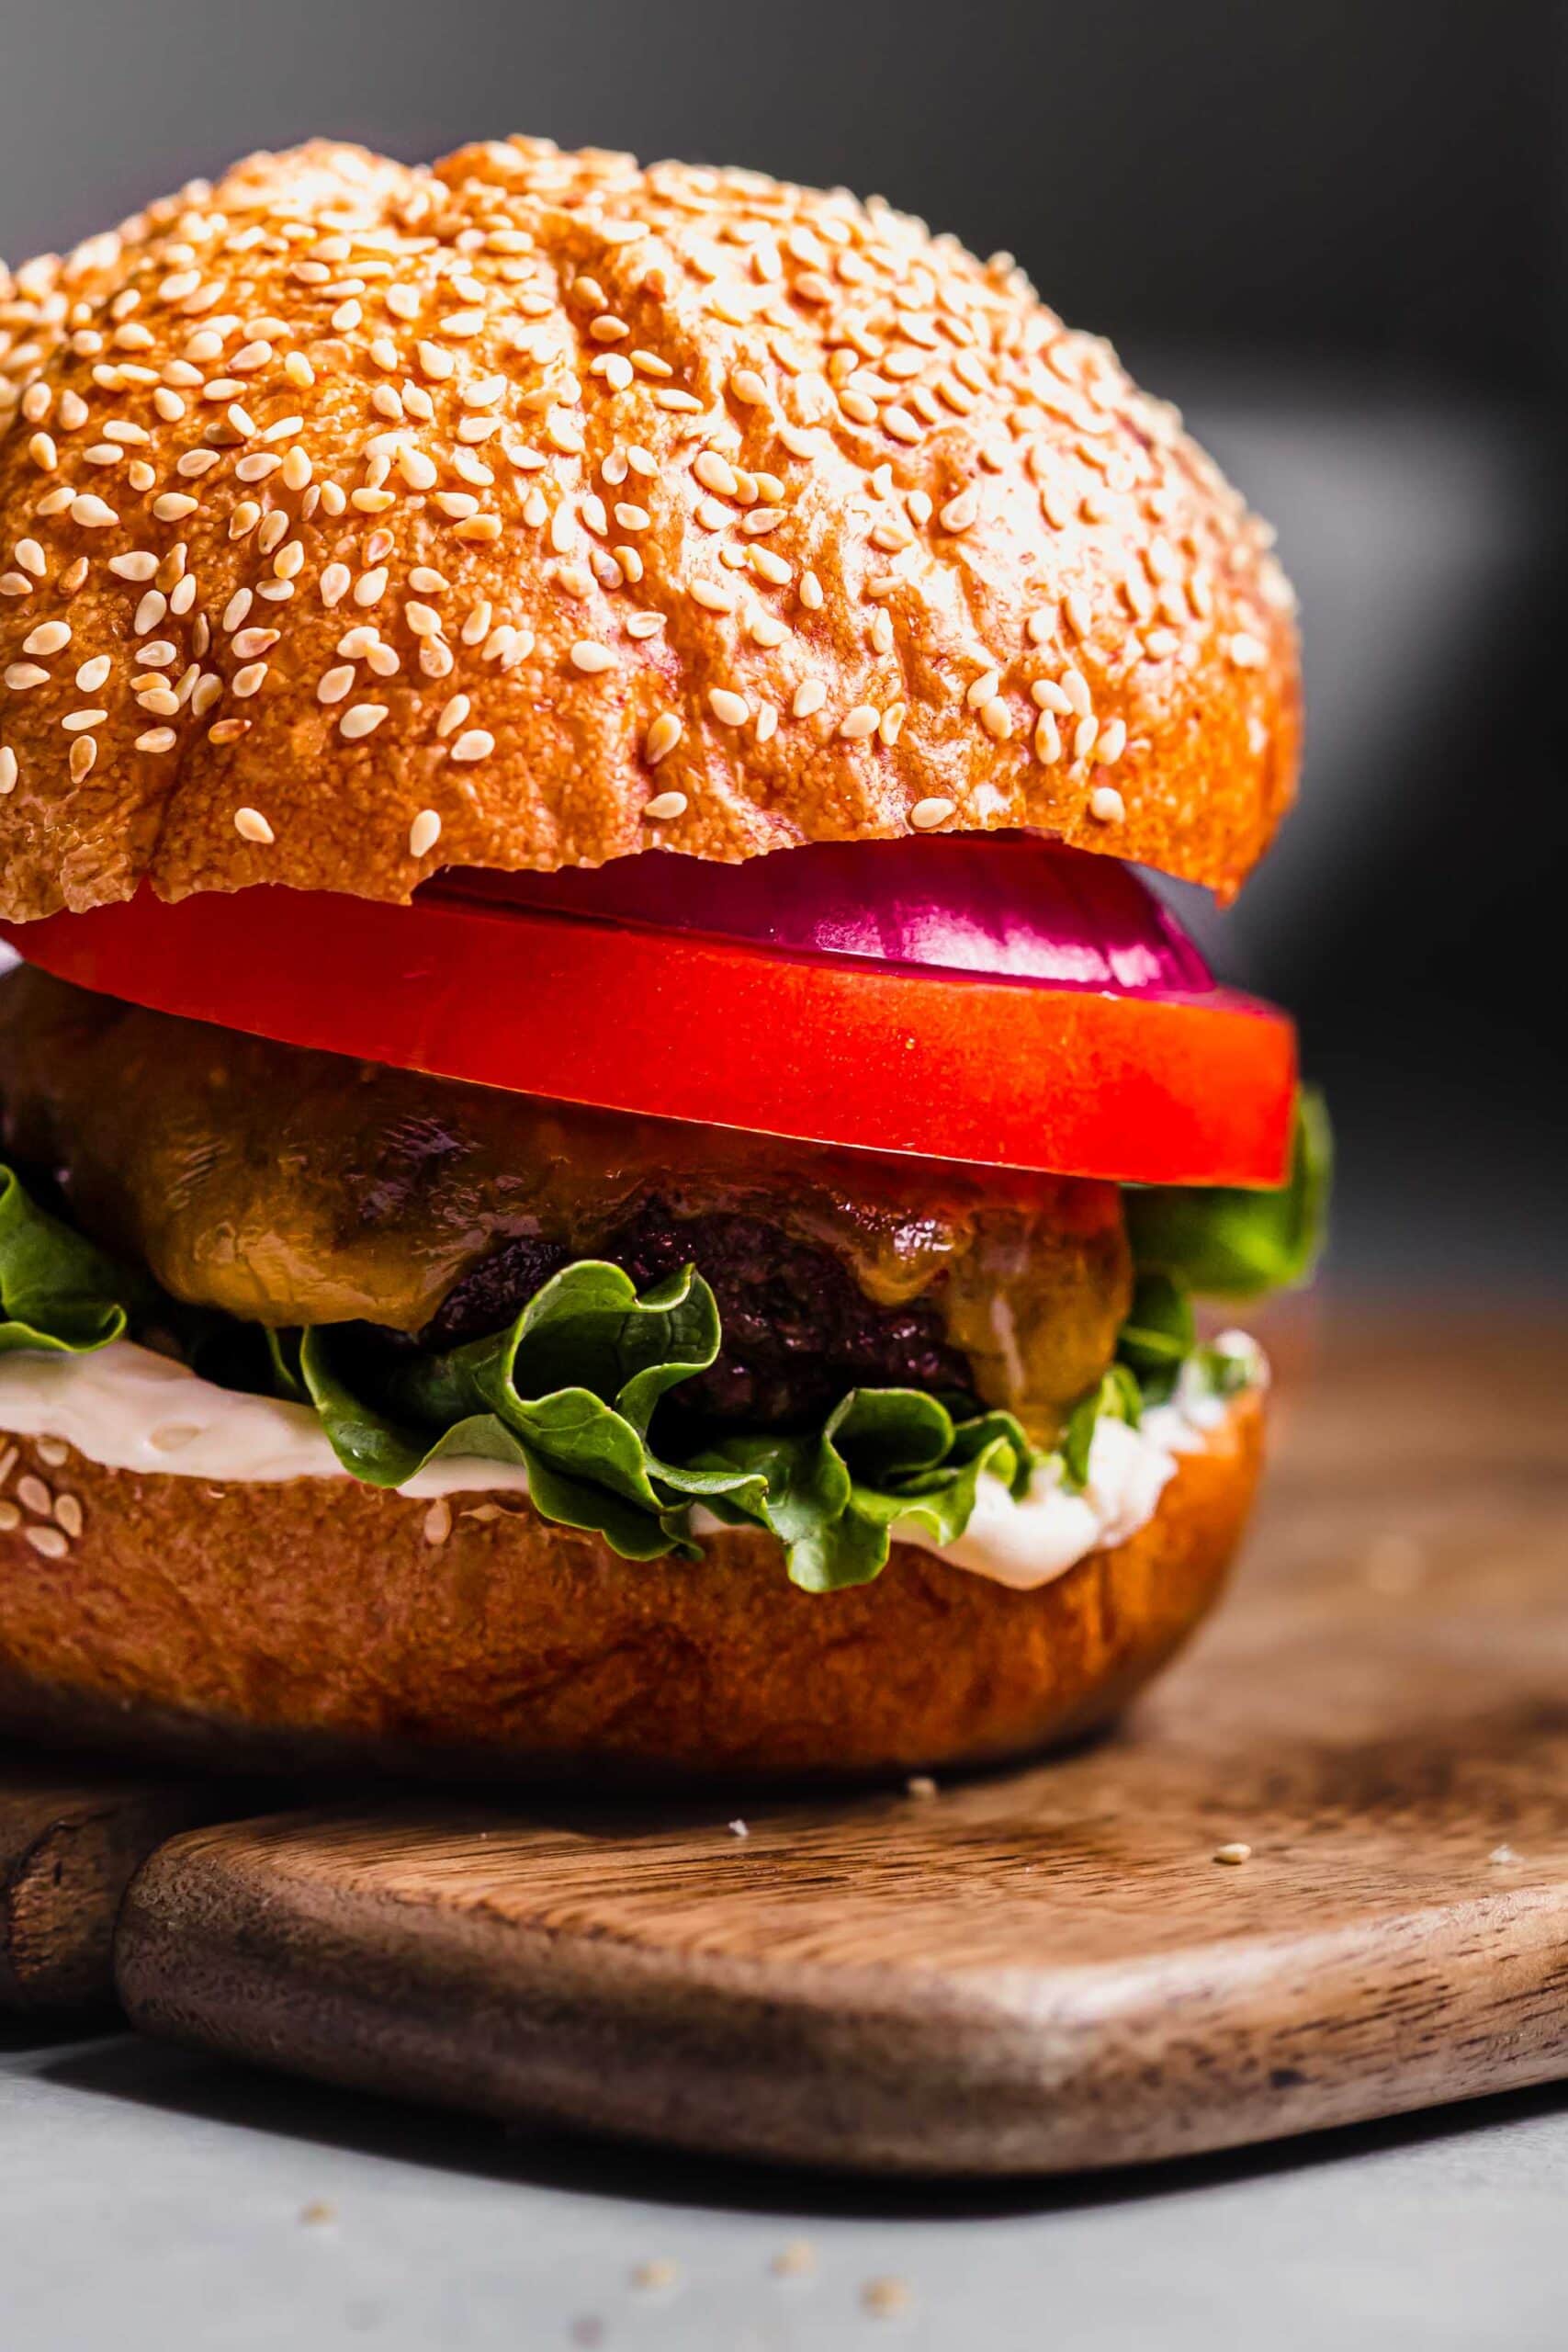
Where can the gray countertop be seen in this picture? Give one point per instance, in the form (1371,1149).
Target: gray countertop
(154,2201)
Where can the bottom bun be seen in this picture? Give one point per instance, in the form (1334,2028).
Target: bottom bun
(317,1620)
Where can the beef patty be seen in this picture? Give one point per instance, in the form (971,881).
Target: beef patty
(798,1330)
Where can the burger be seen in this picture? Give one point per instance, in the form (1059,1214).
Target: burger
(608,1161)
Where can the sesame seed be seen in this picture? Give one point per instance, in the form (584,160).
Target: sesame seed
(252,641)
(252,826)
(809,696)
(997,719)
(665,807)
(927,814)
(172,507)
(714,474)
(68,1512)
(424,832)
(91,675)
(476,744)
(861,722)
(20,675)
(986,687)
(250,680)
(712,594)
(1084,735)
(1075,605)
(589,657)
(811,592)
(748,388)
(1106,805)
(157,739)
(1246,652)
(439,1522)
(662,738)
(34,1495)
(49,637)
(1047,740)
(335,684)
(49,1540)
(149,611)
(361,718)
(92,515)
(730,709)
(9,769)
(417,470)
(1237,1851)
(1113,741)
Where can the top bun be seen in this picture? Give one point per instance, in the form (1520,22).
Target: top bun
(530,510)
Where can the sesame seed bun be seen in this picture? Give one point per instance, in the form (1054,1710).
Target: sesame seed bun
(320,1620)
(533,509)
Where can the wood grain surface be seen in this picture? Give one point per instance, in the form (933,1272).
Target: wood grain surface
(1040,1971)
(69,1845)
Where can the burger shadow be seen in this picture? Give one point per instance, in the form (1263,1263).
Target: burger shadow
(181,2083)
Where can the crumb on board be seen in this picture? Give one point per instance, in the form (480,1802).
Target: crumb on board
(657,2275)
(1236,1851)
(741,1830)
(885,2298)
(316,2212)
(1395,1565)
(795,2260)
(920,1784)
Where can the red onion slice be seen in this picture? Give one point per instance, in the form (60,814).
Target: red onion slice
(1010,905)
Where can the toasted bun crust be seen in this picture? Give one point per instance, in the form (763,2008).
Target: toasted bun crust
(321,1619)
(535,509)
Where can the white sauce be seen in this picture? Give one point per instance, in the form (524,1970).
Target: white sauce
(127,1408)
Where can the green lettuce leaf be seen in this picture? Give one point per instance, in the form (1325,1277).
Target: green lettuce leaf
(831,1497)
(1117,1397)
(1159,1334)
(1232,1243)
(56,1290)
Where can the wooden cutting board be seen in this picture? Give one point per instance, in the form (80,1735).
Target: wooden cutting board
(1038,1971)
(69,1840)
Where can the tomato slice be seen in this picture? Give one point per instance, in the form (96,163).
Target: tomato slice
(1154,1087)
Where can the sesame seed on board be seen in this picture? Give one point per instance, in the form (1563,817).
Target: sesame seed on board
(740,471)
